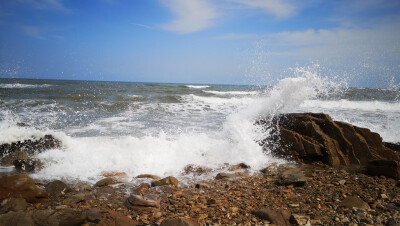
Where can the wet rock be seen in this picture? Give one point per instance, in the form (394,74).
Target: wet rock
(22,124)
(28,165)
(392,222)
(180,222)
(106,181)
(387,168)
(165,181)
(393,146)
(297,219)
(239,166)
(202,185)
(143,188)
(221,176)
(94,215)
(13,204)
(30,147)
(114,174)
(197,170)
(279,217)
(312,137)
(57,188)
(292,176)
(149,200)
(353,201)
(151,176)
(80,197)
(8,160)
(21,186)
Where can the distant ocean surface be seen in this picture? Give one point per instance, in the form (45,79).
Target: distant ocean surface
(161,128)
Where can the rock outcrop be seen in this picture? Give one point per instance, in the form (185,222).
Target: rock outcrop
(312,137)
(30,146)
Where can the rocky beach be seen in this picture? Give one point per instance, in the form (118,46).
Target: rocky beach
(337,174)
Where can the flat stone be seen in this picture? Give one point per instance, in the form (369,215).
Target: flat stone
(106,181)
(151,176)
(275,217)
(165,181)
(353,201)
(149,200)
(292,177)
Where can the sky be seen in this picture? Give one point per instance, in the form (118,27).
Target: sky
(201,41)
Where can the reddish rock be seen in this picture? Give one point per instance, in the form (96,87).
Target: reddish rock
(21,186)
(106,181)
(154,177)
(353,201)
(13,204)
(180,222)
(310,137)
(279,217)
(57,188)
(149,200)
(165,181)
(143,188)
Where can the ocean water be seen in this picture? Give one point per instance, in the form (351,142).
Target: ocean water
(159,129)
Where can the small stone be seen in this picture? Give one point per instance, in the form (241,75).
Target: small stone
(275,217)
(234,209)
(342,182)
(224,176)
(143,188)
(149,200)
(202,185)
(353,201)
(157,214)
(294,205)
(383,196)
(106,181)
(292,177)
(298,219)
(239,166)
(165,181)
(180,222)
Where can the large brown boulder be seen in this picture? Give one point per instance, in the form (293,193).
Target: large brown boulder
(21,186)
(312,137)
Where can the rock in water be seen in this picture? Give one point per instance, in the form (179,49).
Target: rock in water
(311,137)
(165,181)
(106,181)
(30,146)
(21,186)
(57,188)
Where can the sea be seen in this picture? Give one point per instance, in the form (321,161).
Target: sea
(150,128)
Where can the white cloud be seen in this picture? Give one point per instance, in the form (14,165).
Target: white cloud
(191,15)
(280,8)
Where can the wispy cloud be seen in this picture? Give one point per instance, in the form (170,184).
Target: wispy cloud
(280,8)
(38,32)
(46,4)
(144,26)
(191,15)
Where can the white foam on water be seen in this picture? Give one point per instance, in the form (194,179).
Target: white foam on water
(197,86)
(352,105)
(22,86)
(224,93)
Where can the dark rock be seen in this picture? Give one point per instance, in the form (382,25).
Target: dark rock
(94,215)
(292,176)
(239,166)
(353,201)
(9,159)
(154,177)
(311,137)
(28,165)
(13,204)
(16,218)
(21,186)
(106,181)
(21,124)
(275,217)
(387,168)
(224,176)
(398,184)
(165,181)
(61,217)
(30,146)
(197,170)
(180,222)
(393,146)
(149,200)
(392,222)
(57,188)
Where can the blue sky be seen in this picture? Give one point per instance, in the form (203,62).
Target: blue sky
(201,41)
